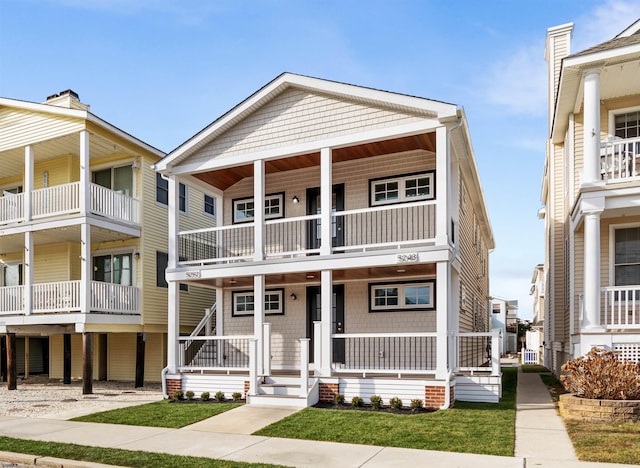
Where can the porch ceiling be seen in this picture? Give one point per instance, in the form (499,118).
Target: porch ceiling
(225,178)
(389,273)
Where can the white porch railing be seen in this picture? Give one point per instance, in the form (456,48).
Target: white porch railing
(114,205)
(223,353)
(56,297)
(11,299)
(530,356)
(56,200)
(479,351)
(11,208)
(115,298)
(621,307)
(387,227)
(394,353)
(620,159)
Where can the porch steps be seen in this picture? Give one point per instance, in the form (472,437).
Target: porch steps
(284,391)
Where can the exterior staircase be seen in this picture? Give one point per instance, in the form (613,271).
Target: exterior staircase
(284,391)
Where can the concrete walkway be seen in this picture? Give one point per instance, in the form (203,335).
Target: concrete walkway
(541,440)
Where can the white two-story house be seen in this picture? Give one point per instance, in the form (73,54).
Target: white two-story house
(83,246)
(350,254)
(591,189)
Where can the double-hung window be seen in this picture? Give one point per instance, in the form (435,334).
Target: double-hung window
(244,302)
(393,297)
(627,256)
(402,189)
(162,261)
(162,193)
(209,205)
(627,125)
(244,208)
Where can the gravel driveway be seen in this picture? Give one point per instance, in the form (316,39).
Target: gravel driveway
(39,397)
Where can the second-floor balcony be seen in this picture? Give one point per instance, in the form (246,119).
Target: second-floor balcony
(620,159)
(64,297)
(62,200)
(375,228)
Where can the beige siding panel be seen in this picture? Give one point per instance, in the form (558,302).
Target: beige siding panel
(56,360)
(121,349)
(297,116)
(154,357)
(51,263)
(20,128)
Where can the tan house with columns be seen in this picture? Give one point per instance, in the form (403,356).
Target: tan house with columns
(590,193)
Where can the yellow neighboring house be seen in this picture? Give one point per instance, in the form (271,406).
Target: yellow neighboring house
(83,246)
(591,189)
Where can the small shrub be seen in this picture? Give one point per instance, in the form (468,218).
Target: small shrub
(376,401)
(219,396)
(416,404)
(189,394)
(236,396)
(178,395)
(395,403)
(338,399)
(602,375)
(356,402)
(205,396)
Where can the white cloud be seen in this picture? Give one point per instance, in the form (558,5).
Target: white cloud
(604,23)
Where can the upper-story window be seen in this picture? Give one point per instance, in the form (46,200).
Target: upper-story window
(162,193)
(627,125)
(401,189)
(209,205)
(244,208)
(118,179)
(627,256)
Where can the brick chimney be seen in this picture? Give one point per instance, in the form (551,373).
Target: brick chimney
(67,98)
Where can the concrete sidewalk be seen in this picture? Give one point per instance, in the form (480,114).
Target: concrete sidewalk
(541,440)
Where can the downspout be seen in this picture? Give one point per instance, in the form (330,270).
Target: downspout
(163,377)
(447,392)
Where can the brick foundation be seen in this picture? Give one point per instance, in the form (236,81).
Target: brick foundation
(247,386)
(173,385)
(434,396)
(328,391)
(586,409)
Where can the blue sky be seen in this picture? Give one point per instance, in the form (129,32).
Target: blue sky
(163,69)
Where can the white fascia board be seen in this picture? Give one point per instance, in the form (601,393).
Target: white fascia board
(307,147)
(44,108)
(297,265)
(597,58)
(122,134)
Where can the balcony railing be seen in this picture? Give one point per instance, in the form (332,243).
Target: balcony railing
(389,227)
(65,199)
(214,352)
(620,159)
(621,306)
(64,296)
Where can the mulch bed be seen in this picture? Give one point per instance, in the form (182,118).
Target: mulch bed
(384,409)
(198,401)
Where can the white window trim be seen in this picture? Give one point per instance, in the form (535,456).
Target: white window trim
(215,206)
(402,198)
(614,112)
(401,307)
(10,263)
(246,293)
(274,196)
(120,251)
(166,205)
(612,248)
(123,163)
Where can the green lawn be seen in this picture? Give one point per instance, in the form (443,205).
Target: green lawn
(605,442)
(482,428)
(117,457)
(159,414)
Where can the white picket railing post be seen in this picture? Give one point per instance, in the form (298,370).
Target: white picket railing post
(253,366)
(266,347)
(304,367)
(495,351)
(317,347)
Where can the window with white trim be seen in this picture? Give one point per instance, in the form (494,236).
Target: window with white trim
(244,208)
(627,125)
(162,193)
(401,189)
(390,297)
(627,256)
(210,205)
(244,302)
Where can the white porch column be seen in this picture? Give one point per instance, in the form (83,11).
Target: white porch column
(27,272)
(173,320)
(258,211)
(442,186)
(85,173)
(219,312)
(258,320)
(591,126)
(591,319)
(28,182)
(326,192)
(86,270)
(443,279)
(326,317)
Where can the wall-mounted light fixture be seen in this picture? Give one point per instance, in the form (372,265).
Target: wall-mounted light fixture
(137,255)
(293,296)
(295,200)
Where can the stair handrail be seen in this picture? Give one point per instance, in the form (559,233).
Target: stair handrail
(207,316)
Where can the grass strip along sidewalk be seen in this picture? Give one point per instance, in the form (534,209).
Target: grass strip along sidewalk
(484,428)
(119,457)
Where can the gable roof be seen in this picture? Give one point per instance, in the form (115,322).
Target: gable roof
(401,102)
(79,114)
(615,43)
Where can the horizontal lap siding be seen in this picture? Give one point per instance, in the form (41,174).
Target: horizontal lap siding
(297,116)
(20,127)
(406,390)
(213,383)
(56,359)
(481,389)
